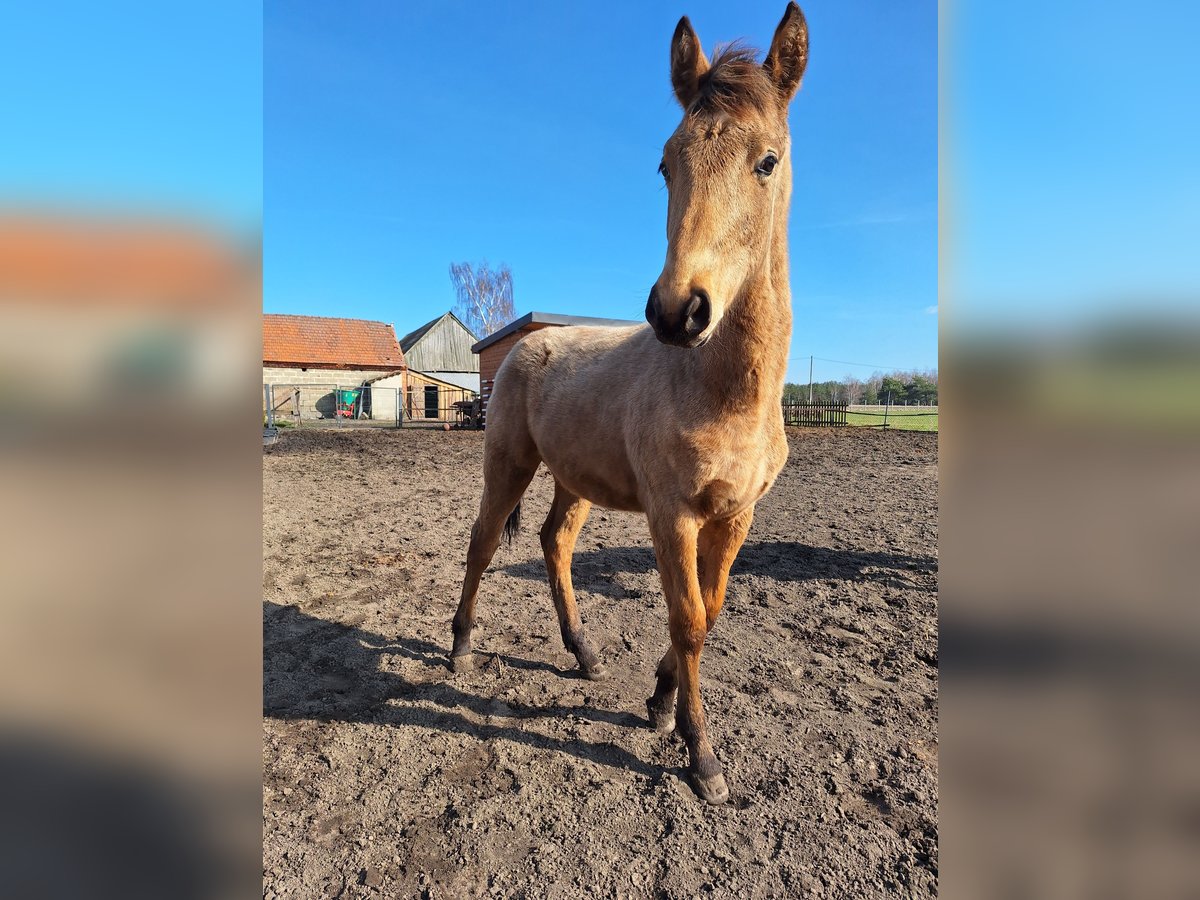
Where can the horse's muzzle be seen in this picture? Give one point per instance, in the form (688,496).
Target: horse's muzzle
(684,329)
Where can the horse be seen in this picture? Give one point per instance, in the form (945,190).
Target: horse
(678,418)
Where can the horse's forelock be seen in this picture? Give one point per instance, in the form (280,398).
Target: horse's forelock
(735,85)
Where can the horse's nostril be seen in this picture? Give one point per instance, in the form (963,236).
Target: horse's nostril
(652,307)
(698,313)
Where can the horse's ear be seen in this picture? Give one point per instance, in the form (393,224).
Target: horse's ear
(789,52)
(688,63)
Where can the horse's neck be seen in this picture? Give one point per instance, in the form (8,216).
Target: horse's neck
(746,361)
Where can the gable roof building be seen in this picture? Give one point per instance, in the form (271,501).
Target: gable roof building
(319,342)
(441,345)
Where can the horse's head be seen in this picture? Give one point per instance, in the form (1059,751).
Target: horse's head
(727,171)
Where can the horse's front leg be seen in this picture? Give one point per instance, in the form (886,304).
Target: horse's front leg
(675,541)
(717,546)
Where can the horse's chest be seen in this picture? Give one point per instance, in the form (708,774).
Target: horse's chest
(734,477)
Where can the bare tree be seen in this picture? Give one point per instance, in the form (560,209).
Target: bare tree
(485,296)
(853,389)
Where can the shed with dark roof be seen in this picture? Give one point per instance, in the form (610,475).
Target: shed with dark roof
(493,349)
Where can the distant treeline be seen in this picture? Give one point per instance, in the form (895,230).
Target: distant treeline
(905,387)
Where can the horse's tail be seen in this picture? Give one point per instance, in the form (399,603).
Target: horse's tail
(513,524)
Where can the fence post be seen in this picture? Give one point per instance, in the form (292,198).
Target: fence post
(886,409)
(269,400)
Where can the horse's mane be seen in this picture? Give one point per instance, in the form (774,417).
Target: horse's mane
(735,84)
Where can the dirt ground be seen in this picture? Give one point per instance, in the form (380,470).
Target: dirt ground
(387,776)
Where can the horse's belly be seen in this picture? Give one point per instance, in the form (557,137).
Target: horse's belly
(601,492)
(604,480)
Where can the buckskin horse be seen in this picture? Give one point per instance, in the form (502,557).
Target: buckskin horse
(680,419)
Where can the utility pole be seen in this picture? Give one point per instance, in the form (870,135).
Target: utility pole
(810,362)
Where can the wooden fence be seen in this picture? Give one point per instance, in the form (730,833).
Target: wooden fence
(485,394)
(818,415)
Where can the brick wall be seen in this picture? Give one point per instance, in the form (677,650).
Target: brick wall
(492,356)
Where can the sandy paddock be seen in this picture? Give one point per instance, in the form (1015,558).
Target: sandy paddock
(387,776)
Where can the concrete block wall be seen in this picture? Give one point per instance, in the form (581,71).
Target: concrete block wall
(317,386)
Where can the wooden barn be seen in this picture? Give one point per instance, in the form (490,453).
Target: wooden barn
(441,349)
(442,375)
(313,357)
(494,348)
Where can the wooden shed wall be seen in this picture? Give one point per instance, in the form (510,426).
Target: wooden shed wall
(417,400)
(446,347)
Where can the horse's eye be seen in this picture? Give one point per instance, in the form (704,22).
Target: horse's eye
(767,166)
(664,172)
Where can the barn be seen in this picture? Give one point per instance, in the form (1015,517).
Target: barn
(442,370)
(441,348)
(308,359)
(494,348)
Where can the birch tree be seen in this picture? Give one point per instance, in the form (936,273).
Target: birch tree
(485,296)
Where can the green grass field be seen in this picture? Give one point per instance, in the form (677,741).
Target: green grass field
(899,417)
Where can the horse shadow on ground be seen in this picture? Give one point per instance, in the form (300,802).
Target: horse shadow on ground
(330,672)
(86,821)
(786,561)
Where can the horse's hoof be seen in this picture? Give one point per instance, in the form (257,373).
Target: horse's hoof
(661,720)
(712,789)
(594,673)
(464,662)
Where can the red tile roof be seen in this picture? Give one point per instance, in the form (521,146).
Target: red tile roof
(122,262)
(327,343)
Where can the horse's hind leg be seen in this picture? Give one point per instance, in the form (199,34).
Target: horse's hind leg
(661,705)
(504,482)
(567,515)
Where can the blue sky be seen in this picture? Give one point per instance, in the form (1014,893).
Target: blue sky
(1073,180)
(134,107)
(399,138)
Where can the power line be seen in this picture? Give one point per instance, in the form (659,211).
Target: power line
(843,362)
